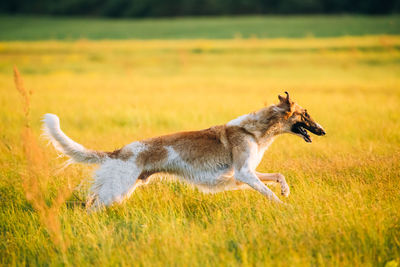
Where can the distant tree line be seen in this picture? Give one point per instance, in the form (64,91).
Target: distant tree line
(166,8)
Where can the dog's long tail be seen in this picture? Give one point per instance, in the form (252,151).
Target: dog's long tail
(66,145)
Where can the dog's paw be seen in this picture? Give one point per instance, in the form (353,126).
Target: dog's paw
(285,191)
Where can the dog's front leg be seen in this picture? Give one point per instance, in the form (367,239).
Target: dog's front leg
(275,177)
(244,168)
(250,178)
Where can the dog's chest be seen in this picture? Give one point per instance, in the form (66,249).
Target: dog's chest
(257,157)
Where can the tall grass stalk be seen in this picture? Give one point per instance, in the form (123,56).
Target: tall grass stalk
(37,178)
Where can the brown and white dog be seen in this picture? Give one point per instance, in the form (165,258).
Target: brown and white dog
(222,157)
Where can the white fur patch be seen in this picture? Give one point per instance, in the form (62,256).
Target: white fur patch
(238,121)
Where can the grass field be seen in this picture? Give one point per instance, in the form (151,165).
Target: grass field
(44,28)
(345,202)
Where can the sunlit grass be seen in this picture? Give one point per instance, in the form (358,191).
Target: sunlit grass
(345,202)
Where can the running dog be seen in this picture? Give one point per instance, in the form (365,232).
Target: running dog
(219,158)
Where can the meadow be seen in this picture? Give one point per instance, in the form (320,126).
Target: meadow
(67,28)
(344,207)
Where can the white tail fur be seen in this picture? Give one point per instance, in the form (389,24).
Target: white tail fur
(66,145)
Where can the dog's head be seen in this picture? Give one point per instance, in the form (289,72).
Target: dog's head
(297,120)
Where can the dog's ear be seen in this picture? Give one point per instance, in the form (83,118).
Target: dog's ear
(284,100)
(286,104)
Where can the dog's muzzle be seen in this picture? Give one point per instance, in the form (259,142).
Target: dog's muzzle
(301,129)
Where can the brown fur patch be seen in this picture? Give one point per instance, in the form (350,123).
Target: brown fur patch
(154,153)
(236,135)
(200,146)
(194,147)
(121,154)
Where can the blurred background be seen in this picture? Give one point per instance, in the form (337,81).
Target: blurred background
(167,8)
(195,19)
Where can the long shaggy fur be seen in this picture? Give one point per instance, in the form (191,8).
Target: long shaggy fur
(64,144)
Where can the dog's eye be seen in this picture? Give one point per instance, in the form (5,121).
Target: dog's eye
(306,114)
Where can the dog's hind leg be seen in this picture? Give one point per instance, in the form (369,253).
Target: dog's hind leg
(114,181)
(275,177)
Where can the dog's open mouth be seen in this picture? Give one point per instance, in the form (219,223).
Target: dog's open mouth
(300,130)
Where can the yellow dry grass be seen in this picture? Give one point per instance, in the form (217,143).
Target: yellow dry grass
(345,201)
